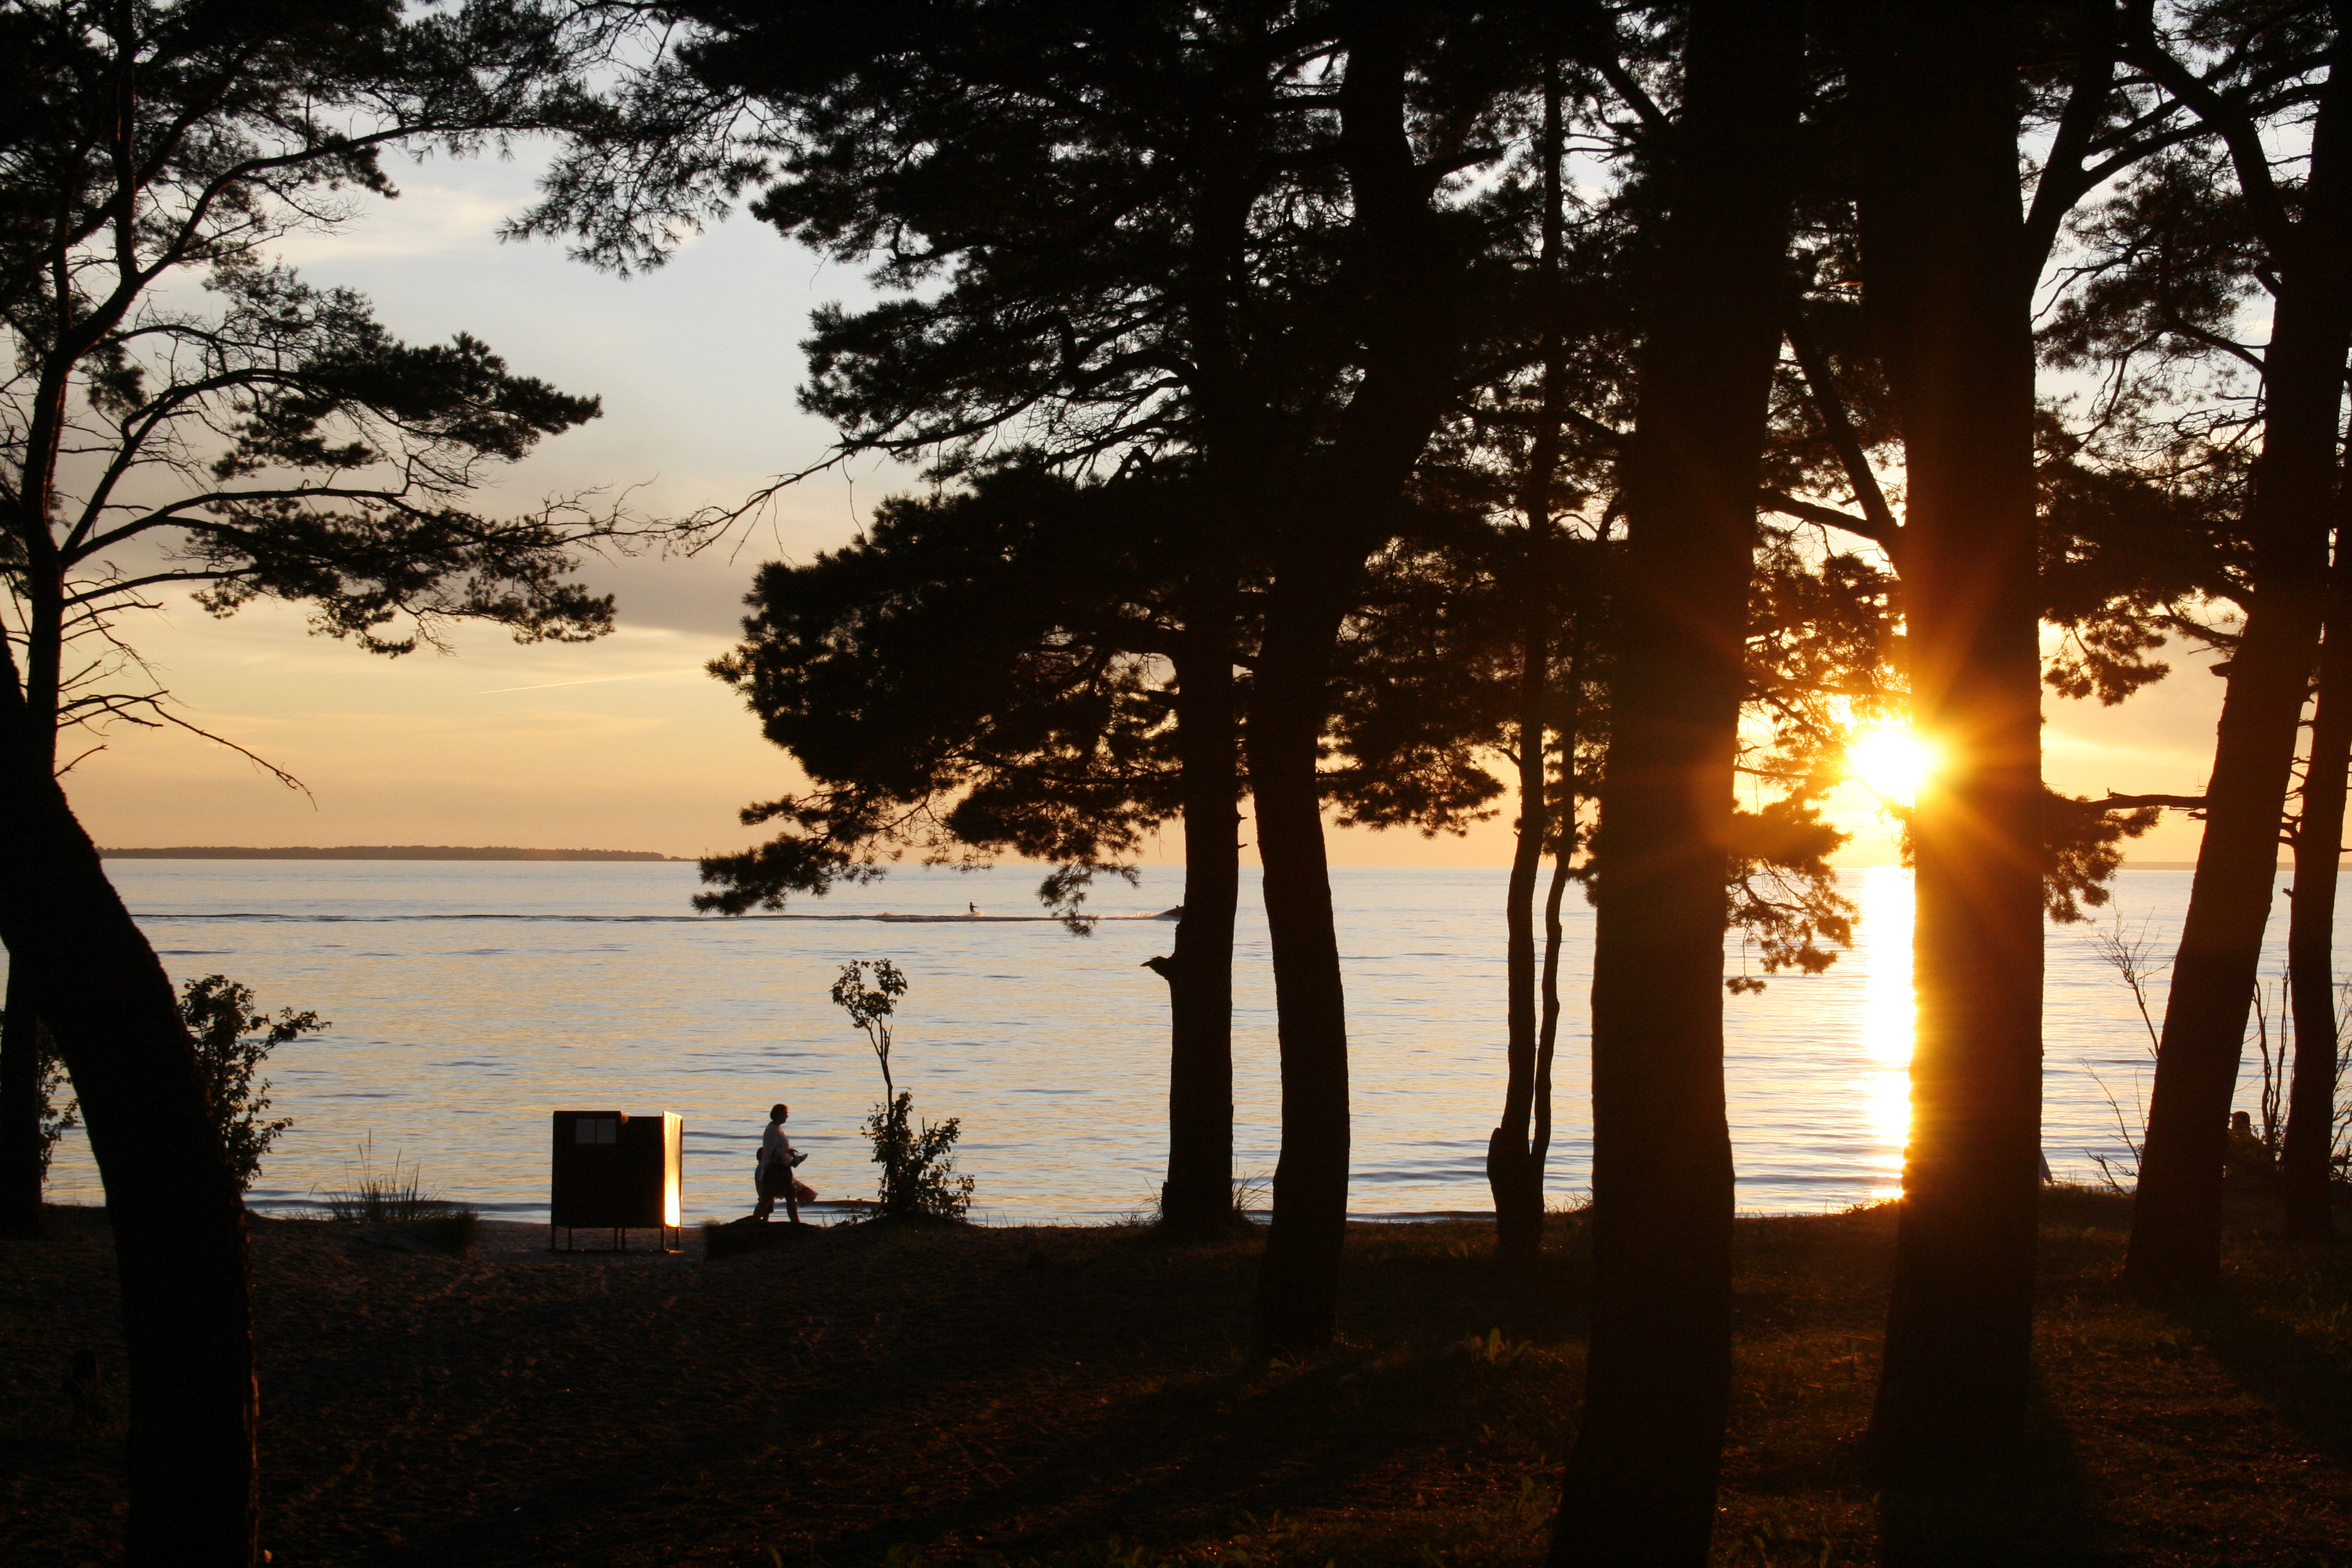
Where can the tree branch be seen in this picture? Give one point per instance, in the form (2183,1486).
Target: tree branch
(1839,426)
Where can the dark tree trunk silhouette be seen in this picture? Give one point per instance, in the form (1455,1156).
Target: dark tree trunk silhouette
(1641,1481)
(1297,1295)
(20,1109)
(1946,278)
(2311,926)
(1514,1168)
(178,1219)
(1512,1175)
(2177,1216)
(20,1029)
(1199,1196)
(1547,1031)
(1407,264)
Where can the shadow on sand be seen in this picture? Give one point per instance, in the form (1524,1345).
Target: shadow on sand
(2037,1514)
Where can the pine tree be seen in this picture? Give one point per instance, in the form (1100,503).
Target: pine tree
(278,442)
(2307,247)
(1641,1481)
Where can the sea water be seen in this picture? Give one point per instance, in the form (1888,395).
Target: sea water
(470,999)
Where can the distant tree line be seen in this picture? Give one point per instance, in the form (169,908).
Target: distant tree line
(1402,414)
(375,852)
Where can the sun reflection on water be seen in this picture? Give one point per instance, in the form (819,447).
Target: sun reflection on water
(1887,1019)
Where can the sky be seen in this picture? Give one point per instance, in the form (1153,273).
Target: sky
(627,744)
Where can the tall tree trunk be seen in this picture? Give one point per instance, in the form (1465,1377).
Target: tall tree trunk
(1641,1481)
(178,1218)
(2177,1216)
(1948,295)
(1406,266)
(2311,925)
(1511,1174)
(1297,1295)
(1514,1170)
(20,1109)
(20,1028)
(1198,1199)
(1548,1032)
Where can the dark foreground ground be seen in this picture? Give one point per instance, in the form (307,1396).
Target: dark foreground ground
(1069,1396)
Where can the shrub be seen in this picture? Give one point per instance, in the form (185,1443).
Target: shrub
(233,1039)
(919,1180)
(57,1120)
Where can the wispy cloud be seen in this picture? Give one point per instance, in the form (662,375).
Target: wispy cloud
(592,681)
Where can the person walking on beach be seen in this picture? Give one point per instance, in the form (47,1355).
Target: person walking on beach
(774,1173)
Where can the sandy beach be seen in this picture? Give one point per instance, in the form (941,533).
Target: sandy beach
(1067,1396)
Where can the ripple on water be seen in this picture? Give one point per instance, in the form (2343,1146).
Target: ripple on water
(1051,1050)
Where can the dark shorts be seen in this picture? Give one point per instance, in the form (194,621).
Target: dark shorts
(774,1179)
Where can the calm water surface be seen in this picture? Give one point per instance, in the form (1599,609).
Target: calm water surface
(469,999)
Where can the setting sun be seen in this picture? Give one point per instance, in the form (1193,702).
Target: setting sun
(1889,761)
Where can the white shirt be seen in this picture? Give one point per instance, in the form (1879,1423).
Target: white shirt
(774,1146)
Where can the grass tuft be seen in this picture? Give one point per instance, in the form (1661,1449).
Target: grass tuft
(397,1196)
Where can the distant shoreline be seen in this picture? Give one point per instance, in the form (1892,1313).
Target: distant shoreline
(505,852)
(2128,865)
(376,852)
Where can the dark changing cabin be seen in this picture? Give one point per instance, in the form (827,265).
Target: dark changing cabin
(615,1172)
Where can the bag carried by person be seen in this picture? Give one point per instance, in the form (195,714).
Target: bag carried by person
(770,1179)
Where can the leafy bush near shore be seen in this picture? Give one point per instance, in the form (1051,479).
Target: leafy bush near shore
(56,1119)
(918,1177)
(233,1038)
(919,1180)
